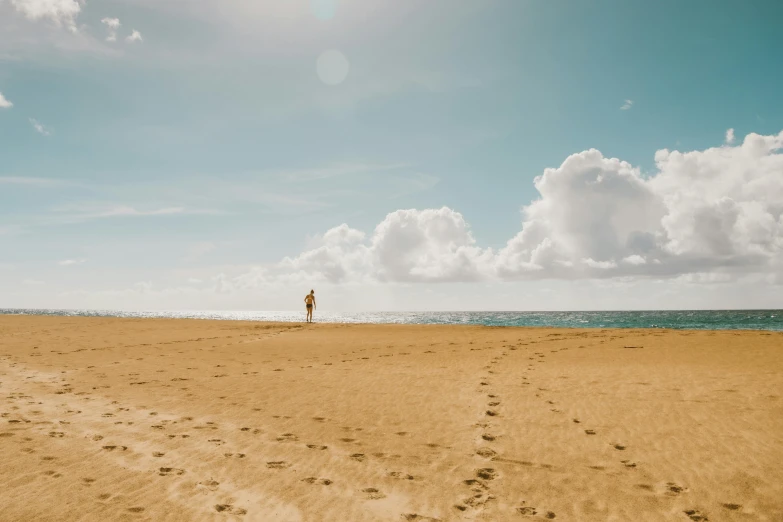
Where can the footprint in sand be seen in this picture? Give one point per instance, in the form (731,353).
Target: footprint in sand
(486,453)
(674,489)
(170,471)
(628,463)
(158,454)
(112,448)
(317,481)
(316,446)
(486,473)
(136,509)
(229,509)
(696,515)
(475,485)
(287,437)
(56,434)
(590,432)
(400,475)
(414,517)
(373,494)
(234,455)
(358,457)
(480,497)
(732,507)
(211,485)
(278,464)
(530,511)
(619,447)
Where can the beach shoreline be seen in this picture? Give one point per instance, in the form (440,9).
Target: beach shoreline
(198,419)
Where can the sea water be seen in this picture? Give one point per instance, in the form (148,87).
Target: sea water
(677,319)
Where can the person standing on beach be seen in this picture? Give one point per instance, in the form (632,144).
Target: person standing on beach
(310,304)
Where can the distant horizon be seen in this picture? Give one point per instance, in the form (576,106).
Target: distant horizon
(767,320)
(195,310)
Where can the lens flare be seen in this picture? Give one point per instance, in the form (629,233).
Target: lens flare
(323,9)
(332,67)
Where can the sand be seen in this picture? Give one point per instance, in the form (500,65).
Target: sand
(187,420)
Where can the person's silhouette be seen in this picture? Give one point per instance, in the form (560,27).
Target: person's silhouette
(310,304)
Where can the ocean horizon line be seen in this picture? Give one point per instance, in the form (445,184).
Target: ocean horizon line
(717,319)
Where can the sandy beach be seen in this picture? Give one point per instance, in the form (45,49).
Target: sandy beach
(187,420)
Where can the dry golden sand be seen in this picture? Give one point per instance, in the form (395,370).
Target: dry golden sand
(116,419)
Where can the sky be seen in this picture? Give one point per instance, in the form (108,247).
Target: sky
(391,155)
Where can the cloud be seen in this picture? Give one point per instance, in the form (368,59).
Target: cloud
(627,105)
(4,103)
(336,171)
(729,136)
(634,259)
(407,246)
(128,211)
(716,211)
(79,213)
(70,262)
(38,182)
(112,24)
(61,12)
(39,128)
(135,36)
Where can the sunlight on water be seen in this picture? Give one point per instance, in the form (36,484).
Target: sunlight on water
(692,319)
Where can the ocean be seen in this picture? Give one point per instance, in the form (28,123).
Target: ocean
(675,319)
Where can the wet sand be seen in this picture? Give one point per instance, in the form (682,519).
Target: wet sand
(187,420)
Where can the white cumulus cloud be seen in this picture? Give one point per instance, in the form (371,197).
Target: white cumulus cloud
(4,103)
(407,246)
(716,211)
(627,105)
(61,12)
(135,36)
(112,24)
(729,136)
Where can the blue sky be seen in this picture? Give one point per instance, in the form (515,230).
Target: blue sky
(208,146)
